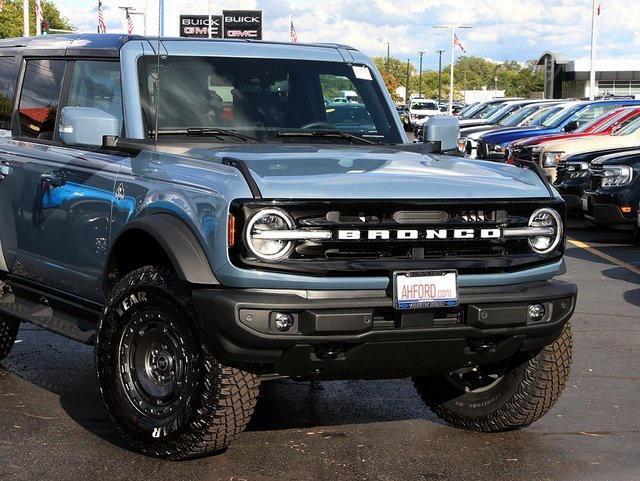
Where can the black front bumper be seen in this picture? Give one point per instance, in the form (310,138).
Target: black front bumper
(605,208)
(358,334)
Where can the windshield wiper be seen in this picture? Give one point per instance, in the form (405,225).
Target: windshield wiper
(221,133)
(216,132)
(326,134)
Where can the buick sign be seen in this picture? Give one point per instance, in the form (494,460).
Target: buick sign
(242,24)
(196,26)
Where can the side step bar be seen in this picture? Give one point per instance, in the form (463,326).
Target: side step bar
(45,316)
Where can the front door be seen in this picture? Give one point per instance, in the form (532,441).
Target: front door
(61,196)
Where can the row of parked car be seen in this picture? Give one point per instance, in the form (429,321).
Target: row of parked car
(589,150)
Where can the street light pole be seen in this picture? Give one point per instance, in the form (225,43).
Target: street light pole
(452,30)
(388,55)
(406,92)
(421,53)
(440,52)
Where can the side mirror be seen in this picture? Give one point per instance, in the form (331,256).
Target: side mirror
(444,129)
(571,126)
(87,126)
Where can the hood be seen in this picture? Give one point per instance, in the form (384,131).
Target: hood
(586,144)
(631,157)
(515,133)
(473,122)
(465,131)
(354,172)
(528,142)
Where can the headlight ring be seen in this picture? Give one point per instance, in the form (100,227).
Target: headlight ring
(269,220)
(546,217)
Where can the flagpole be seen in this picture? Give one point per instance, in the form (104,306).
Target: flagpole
(25,17)
(592,72)
(452,28)
(453,62)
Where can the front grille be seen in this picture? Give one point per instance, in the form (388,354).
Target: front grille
(524,154)
(482,150)
(336,256)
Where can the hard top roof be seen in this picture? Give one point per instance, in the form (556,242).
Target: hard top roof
(83,44)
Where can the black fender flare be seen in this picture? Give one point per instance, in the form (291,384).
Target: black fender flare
(179,243)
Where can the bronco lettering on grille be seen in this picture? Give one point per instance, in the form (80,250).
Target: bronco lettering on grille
(415,234)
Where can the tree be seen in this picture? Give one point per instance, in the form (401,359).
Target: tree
(11,18)
(394,73)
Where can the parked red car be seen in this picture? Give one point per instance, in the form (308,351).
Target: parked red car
(603,125)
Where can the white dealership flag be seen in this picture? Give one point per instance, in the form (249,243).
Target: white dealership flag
(38,17)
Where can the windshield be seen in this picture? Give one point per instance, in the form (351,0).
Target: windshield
(424,106)
(501,113)
(263,98)
(469,108)
(487,111)
(473,110)
(557,118)
(630,128)
(514,118)
(539,117)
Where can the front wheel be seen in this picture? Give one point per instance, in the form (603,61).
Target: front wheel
(164,389)
(8,330)
(501,397)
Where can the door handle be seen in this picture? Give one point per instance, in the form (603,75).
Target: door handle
(54,179)
(5,169)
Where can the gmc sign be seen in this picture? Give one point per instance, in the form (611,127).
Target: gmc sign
(242,24)
(197,26)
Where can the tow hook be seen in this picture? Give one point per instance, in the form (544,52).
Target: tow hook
(482,346)
(329,353)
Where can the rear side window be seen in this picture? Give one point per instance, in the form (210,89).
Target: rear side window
(39,99)
(8,74)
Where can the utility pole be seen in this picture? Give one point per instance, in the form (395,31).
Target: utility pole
(406,93)
(592,70)
(25,17)
(388,55)
(452,30)
(421,53)
(440,52)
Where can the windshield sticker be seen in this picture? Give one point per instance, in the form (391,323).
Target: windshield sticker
(362,72)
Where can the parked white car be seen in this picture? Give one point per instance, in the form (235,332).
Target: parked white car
(420,110)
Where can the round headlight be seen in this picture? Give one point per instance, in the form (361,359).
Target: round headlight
(257,235)
(549,218)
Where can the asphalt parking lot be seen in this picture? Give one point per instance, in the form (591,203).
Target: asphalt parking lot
(53,426)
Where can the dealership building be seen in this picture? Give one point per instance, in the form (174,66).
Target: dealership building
(566,78)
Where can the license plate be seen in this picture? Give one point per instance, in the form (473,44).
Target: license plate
(421,290)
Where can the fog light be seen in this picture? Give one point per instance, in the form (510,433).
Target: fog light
(536,312)
(283,321)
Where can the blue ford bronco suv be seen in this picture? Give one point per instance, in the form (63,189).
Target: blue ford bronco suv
(197,211)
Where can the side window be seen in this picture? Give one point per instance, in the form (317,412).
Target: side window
(8,74)
(96,84)
(39,99)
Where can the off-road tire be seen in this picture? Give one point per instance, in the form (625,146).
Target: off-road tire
(523,395)
(218,399)
(8,331)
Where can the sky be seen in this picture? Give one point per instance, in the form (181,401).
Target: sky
(502,29)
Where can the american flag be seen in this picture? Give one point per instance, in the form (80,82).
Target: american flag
(458,43)
(293,36)
(102,27)
(129,22)
(599,8)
